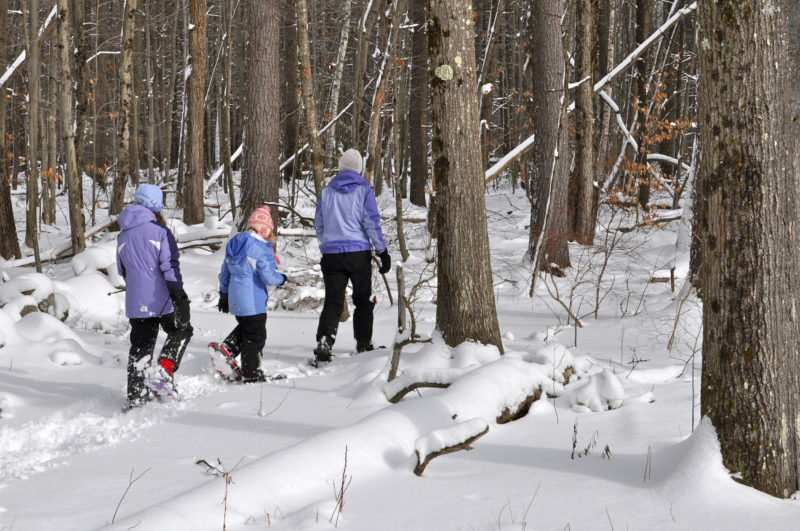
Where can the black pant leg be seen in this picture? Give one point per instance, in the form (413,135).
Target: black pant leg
(361,278)
(177,339)
(233,343)
(335,275)
(143,341)
(254,336)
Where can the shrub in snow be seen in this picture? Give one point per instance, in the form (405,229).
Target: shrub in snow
(599,392)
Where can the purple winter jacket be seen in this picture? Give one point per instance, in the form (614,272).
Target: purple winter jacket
(147,258)
(347,217)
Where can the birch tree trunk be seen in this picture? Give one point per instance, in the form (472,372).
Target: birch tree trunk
(749,184)
(9,244)
(465,309)
(261,178)
(122,173)
(66,103)
(309,105)
(333,104)
(193,211)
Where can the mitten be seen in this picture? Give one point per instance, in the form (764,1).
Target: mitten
(222,305)
(386,262)
(284,279)
(181,303)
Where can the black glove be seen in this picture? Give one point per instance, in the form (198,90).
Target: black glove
(284,279)
(181,303)
(386,262)
(222,305)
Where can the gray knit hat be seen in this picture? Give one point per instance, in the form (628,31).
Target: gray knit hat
(350,160)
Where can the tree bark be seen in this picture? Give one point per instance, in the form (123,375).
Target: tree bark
(582,190)
(549,178)
(66,103)
(333,104)
(122,173)
(261,178)
(749,185)
(309,104)
(193,211)
(9,244)
(466,307)
(34,93)
(418,136)
(289,94)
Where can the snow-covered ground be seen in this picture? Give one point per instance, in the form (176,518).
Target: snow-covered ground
(620,446)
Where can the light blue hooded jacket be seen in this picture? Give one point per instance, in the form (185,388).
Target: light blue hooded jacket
(347,217)
(248,269)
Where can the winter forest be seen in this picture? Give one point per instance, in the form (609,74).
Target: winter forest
(590,319)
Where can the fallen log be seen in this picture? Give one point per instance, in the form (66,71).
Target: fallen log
(448,440)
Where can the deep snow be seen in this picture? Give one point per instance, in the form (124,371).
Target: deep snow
(620,446)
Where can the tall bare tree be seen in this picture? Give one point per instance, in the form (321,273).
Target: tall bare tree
(66,104)
(418,100)
(307,86)
(193,211)
(549,180)
(9,244)
(749,186)
(466,308)
(582,211)
(261,178)
(122,174)
(34,95)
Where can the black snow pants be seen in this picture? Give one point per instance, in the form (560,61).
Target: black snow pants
(337,269)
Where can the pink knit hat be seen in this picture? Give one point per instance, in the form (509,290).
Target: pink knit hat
(261,221)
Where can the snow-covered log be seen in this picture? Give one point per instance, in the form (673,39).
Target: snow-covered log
(448,440)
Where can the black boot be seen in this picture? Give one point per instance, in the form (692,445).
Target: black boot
(323,351)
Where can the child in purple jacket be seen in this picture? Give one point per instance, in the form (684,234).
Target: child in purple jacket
(147,258)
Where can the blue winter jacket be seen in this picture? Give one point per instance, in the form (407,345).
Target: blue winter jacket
(147,258)
(248,269)
(347,217)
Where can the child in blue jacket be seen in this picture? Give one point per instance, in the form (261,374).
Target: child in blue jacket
(249,267)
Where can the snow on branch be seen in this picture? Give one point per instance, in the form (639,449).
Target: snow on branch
(628,61)
(411,379)
(448,440)
(506,161)
(21,57)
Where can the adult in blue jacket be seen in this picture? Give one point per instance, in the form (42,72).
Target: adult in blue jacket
(249,267)
(348,228)
(147,258)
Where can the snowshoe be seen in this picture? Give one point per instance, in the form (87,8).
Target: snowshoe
(224,363)
(161,385)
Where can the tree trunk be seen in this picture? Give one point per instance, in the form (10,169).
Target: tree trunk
(549,178)
(291,107)
(749,186)
(582,190)
(333,104)
(66,103)
(261,178)
(193,185)
(122,173)
(309,105)
(225,126)
(34,93)
(50,147)
(363,31)
(466,307)
(9,244)
(418,137)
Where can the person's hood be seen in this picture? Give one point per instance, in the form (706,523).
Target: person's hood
(135,215)
(236,250)
(346,181)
